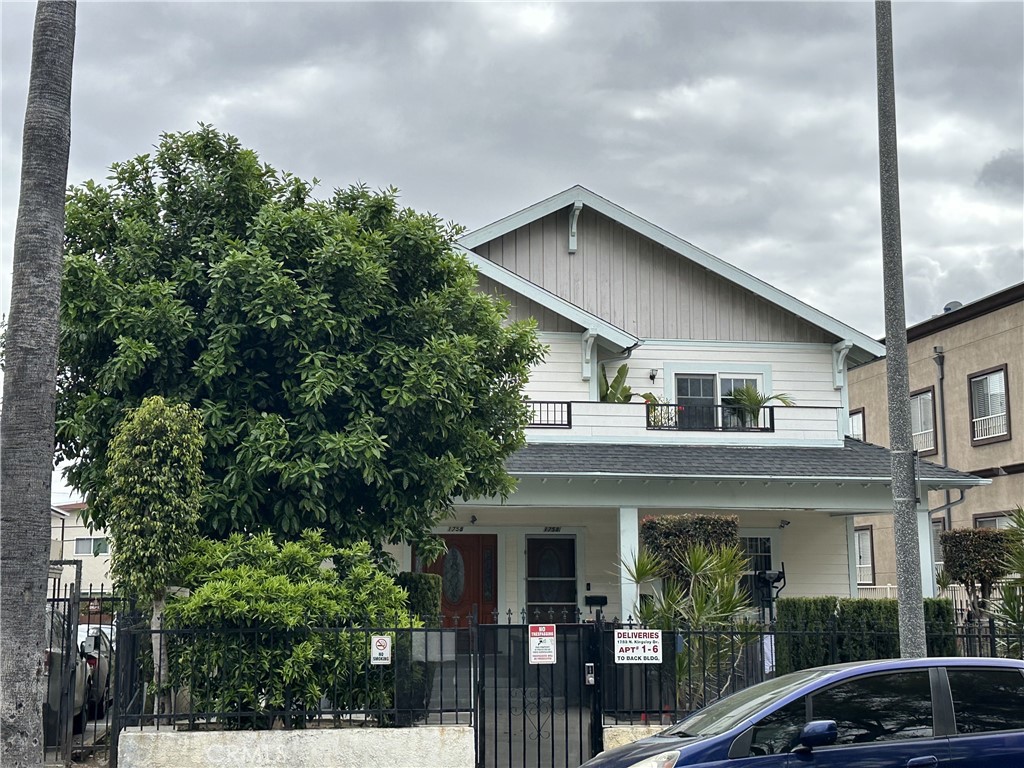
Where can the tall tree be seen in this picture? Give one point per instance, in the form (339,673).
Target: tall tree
(155,476)
(350,375)
(30,354)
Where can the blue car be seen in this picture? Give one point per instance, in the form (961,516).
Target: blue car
(963,712)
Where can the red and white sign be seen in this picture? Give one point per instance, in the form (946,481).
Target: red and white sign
(638,646)
(380,649)
(542,644)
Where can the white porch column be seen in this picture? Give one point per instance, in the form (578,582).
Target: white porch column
(629,546)
(924,539)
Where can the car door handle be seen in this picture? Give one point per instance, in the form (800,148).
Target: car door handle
(920,762)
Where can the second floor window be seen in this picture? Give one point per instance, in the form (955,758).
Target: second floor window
(922,421)
(696,393)
(990,418)
(97,545)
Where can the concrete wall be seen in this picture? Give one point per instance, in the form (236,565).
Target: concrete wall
(438,747)
(994,339)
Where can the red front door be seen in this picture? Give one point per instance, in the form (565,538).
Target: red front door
(469,577)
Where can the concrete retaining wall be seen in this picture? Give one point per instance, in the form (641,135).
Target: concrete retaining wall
(437,747)
(617,735)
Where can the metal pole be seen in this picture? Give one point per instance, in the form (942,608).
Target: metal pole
(908,551)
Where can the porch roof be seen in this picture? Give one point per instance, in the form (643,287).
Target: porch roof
(856,461)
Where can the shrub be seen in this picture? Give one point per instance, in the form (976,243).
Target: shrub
(976,558)
(424,591)
(264,625)
(812,631)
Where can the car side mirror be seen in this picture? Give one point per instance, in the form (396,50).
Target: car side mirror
(817,733)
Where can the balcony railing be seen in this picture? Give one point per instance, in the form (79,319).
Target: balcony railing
(989,426)
(550,414)
(709,418)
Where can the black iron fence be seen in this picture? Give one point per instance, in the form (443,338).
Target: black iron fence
(710,418)
(550,414)
(538,689)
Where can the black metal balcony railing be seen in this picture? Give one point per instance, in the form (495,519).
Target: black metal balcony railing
(710,418)
(550,414)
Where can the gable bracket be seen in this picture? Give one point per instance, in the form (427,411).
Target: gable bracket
(839,352)
(576,208)
(588,338)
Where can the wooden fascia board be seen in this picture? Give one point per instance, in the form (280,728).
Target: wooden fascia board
(868,347)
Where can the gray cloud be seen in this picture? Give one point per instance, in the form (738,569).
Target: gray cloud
(1004,174)
(747,128)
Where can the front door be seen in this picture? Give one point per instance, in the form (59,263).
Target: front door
(469,577)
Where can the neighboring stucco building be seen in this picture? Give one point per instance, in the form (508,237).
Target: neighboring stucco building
(967,389)
(72,539)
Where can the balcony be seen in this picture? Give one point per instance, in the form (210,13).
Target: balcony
(661,423)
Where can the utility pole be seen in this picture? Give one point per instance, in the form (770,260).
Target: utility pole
(904,492)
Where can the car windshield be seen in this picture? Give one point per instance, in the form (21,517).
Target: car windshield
(731,711)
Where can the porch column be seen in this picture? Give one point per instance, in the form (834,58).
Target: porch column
(629,546)
(924,539)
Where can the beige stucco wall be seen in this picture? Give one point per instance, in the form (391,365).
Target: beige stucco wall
(95,568)
(436,746)
(985,342)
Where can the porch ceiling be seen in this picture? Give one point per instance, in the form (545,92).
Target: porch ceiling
(856,461)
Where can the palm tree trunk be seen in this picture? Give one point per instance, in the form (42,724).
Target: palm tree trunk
(30,364)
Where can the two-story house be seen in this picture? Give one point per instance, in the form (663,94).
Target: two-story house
(608,288)
(966,387)
(72,539)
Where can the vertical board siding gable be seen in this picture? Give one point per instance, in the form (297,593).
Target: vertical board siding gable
(639,285)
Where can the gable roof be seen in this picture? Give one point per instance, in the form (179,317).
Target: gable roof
(855,461)
(865,348)
(506,277)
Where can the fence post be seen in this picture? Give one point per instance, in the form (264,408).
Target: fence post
(595,655)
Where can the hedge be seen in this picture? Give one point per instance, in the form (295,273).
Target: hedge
(975,556)
(812,631)
(668,534)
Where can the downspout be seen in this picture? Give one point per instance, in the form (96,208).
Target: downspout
(621,357)
(940,362)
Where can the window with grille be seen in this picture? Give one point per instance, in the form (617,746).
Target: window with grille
(938,526)
(696,393)
(990,417)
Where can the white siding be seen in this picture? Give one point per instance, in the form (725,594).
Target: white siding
(560,375)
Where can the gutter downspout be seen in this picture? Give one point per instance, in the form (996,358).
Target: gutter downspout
(940,362)
(622,356)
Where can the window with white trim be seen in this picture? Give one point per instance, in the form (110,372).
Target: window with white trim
(95,545)
(701,394)
(857,424)
(864,550)
(922,420)
(989,414)
(758,551)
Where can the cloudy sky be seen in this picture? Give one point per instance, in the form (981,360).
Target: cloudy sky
(749,129)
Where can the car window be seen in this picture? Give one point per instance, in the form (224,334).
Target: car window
(987,699)
(779,732)
(884,707)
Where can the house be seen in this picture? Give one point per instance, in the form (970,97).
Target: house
(607,289)
(72,539)
(966,387)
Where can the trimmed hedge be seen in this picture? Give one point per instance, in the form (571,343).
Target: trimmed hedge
(812,631)
(424,594)
(669,534)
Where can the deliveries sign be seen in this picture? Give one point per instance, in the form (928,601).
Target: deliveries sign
(638,646)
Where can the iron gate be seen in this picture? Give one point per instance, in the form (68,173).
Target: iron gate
(537,715)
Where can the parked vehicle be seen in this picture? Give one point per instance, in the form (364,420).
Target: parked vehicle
(967,712)
(68,680)
(96,647)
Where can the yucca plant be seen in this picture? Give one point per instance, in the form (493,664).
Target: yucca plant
(704,599)
(746,402)
(1008,611)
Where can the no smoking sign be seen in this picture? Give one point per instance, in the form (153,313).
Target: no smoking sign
(380,649)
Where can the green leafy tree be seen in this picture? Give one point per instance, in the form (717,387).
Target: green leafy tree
(293,613)
(350,375)
(976,558)
(154,480)
(1009,609)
